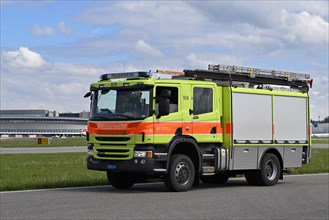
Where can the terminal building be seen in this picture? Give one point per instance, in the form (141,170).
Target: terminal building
(320,128)
(42,123)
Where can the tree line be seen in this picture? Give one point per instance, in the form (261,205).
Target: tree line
(325,120)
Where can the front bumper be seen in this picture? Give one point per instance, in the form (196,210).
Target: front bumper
(133,165)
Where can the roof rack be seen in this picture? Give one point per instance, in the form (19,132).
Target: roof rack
(252,75)
(169,72)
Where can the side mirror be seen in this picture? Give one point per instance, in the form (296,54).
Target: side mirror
(87,95)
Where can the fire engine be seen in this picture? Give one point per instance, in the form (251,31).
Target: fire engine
(199,125)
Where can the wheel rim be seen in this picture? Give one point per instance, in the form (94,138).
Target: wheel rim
(182,173)
(271,169)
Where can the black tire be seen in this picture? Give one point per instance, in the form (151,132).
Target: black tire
(219,178)
(121,180)
(181,173)
(270,170)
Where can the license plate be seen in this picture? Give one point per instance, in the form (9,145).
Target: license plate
(111,166)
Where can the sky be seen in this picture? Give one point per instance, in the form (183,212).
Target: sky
(51,51)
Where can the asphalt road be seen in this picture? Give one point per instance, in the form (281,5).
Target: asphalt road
(31,150)
(297,197)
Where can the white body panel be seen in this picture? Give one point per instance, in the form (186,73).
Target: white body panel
(290,118)
(252,117)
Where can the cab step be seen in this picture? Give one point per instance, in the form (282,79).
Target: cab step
(208,170)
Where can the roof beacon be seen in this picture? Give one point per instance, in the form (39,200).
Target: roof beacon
(125,75)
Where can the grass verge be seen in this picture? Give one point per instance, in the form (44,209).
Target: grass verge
(33,142)
(36,171)
(319,162)
(320,140)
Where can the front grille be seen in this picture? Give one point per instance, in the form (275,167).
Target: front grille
(113,139)
(113,153)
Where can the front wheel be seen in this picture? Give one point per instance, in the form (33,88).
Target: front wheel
(181,173)
(270,171)
(121,180)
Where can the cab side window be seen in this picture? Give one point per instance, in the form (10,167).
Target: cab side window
(202,100)
(173,98)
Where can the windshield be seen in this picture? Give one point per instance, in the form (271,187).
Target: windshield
(120,104)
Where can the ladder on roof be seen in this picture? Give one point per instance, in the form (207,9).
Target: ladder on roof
(252,75)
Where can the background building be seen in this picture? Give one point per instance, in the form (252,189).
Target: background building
(37,123)
(320,128)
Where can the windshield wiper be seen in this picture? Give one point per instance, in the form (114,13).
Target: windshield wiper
(122,115)
(111,116)
(99,117)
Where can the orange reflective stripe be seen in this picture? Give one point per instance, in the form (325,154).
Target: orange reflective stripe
(166,127)
(113,128)
(149,128)
(206,127)
(228,128)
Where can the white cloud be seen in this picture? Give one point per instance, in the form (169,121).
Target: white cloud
(315,93)
(64,29)
(304,28)
(61,28)
(259,28)
(63,89)
(22,58)
(146,48)
(194,60)
(42,31)
(29,81)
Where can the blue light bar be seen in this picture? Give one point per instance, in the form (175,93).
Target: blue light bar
(108,76)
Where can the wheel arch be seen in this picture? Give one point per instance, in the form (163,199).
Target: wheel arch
(188,147)
(277,154)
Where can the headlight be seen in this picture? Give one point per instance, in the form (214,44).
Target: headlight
(148,154)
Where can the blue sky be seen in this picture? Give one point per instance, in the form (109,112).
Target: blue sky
(52,50)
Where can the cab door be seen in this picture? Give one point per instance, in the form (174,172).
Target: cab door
(167,126)
(205,114)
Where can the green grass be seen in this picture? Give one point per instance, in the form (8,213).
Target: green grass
(320,140)
(319,163)
(35,171)
(33,142)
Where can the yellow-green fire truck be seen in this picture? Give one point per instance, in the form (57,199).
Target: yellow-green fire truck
(205,125)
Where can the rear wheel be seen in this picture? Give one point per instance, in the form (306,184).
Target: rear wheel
(270,171)
(181,173)
(121,180)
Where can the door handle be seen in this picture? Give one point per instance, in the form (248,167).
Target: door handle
(196,117)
